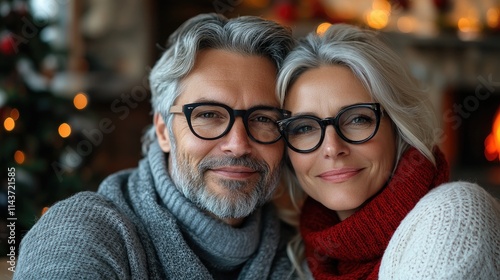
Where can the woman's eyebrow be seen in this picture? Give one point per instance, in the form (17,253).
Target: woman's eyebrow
(311,113)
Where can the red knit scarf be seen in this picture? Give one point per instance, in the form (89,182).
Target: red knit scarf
(353,248)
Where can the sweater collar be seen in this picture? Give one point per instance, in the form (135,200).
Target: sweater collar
(216,243)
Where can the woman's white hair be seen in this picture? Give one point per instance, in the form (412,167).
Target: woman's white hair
(379,69)
(384,76)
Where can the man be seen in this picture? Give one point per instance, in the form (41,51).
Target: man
(195,208)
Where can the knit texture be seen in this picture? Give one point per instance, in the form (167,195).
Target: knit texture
(138,226)
(353,248)
(452,233)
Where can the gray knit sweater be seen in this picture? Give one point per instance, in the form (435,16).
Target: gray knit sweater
(138,226)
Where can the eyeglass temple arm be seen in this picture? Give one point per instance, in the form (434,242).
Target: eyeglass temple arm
(176,109)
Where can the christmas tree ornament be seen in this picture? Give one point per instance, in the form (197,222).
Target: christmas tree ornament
(7,44)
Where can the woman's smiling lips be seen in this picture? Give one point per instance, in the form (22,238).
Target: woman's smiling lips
(339,175)
(235,172)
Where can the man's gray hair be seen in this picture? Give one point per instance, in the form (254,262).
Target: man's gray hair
(248,35)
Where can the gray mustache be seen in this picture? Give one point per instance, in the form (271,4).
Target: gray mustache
(210,163)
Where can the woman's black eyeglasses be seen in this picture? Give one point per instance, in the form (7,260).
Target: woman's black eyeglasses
(355,124)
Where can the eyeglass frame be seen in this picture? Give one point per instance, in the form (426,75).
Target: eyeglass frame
(334,121)
(188,108)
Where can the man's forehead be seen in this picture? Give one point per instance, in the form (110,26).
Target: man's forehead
(226,77)
(218,61)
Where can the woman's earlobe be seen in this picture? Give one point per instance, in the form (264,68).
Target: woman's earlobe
(161,132)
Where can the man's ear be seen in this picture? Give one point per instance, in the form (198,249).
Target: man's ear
(161,133)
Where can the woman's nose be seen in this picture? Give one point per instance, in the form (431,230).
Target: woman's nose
(333,145)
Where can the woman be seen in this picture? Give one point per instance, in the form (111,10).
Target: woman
(361,144)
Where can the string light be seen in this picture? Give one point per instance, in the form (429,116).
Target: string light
(14,114)
(406,24)
(377,19)
(19,157)
(322,27)
(9,124)
(468,24)
(64,130)
(80,101)
(378,16)
(493,17)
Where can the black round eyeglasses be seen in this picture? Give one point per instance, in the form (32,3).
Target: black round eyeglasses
(355,124)
(210,121)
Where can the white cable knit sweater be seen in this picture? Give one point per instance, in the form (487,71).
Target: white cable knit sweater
(452,233)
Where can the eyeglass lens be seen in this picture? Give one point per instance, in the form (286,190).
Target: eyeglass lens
(355,124)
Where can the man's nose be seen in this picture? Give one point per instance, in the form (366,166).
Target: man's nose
(237,141)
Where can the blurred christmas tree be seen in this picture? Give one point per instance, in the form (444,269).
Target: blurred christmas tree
(41,132)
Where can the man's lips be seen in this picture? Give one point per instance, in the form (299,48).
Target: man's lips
(339,175)
(235,172)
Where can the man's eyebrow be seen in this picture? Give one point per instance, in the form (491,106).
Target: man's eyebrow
(207,100)
(204,99)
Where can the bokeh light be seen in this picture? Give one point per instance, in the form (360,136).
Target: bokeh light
(323,27)
(80,101)
(64,130)
(19,157)
(9,124)
(14,114)
(493,17)
(406,24)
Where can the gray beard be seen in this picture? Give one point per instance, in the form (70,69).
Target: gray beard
(238,204)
